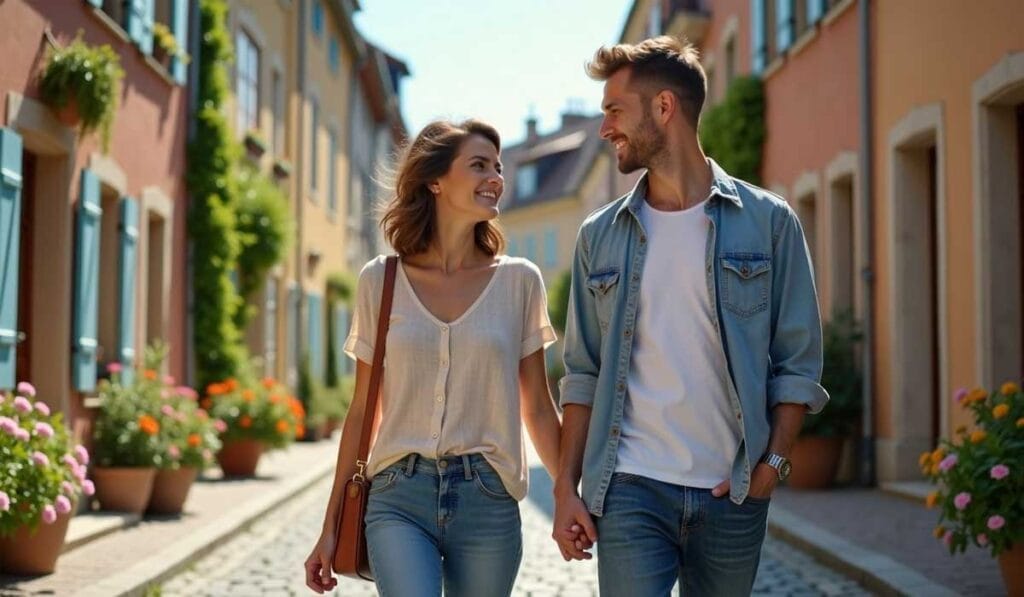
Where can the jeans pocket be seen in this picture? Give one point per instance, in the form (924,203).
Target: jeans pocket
(490,485)
(623,478)
(383,481)
(745,282)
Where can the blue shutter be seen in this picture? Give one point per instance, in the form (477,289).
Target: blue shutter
(179,26)
(340,332)
(10,223)
(96,3)
(140,14)
(127,264)
(87,280)
(757,35)
(784,24)
(815,10)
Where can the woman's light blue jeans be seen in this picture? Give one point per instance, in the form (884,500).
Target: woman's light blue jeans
(442,523)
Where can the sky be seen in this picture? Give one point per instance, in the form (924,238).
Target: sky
(495,60)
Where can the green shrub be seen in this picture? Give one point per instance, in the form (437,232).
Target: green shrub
(558,300)
(841,378)
(733,132)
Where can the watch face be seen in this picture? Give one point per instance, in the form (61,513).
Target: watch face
(784,469)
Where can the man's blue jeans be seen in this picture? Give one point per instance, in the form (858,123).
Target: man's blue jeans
(653,533)
(447,522)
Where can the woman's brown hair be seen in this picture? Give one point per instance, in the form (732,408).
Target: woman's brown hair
(409,219)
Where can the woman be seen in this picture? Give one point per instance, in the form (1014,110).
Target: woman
(464,370)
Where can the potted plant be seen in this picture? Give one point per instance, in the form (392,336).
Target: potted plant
(815,455)
(82,83)
(187,434)
(41,477)
(256,417)
(282,169)
(255,145)
(980,480)
(165,46)
(127,440)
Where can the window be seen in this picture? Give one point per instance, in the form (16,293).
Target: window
(318,18)
(530,250)
(279,118)
(762,32)
(550,248)
(314,153)
(526,181)
(247,69)
(335,55)
(784,23)
(332,175)
(800,15)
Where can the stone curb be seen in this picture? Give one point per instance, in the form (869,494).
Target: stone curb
(876,572)
(174,558)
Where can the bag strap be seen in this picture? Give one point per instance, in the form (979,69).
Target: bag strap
(377,371)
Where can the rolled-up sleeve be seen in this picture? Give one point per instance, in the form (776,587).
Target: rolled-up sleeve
(362,334)
(537,330)
(582,354)
(796,343)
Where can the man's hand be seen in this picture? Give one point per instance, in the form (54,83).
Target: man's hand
(573,528)
(762,483)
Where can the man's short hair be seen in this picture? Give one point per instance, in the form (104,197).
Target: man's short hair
(657,64)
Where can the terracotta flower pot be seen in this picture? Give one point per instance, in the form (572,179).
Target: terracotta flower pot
(1011,563)
(239,457)
(124,489)
(170,490)
(815,460)
(27,553)
(68,115)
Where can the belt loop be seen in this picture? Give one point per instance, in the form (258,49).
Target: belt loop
(467,472)
(410,464)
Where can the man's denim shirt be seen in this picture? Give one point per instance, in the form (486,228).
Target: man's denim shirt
(758,276)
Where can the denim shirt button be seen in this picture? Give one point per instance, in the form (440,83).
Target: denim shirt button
(636,277)
(615,432)
(620,387)
(628,332)
(643,240)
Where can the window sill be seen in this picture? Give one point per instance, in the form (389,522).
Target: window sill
(160,70)
(836,11)
(111,24)
(773,67)
(803,41)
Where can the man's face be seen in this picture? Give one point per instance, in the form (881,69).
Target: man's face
(629,124)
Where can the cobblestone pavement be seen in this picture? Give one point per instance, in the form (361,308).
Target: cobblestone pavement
(267,560)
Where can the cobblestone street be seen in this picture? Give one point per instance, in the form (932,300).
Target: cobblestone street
(267,560)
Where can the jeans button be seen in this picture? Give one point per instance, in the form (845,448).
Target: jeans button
(443,464)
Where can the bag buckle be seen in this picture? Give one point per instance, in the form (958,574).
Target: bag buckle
(360,474)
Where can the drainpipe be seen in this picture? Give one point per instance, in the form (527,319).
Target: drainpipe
(867,444)
(195,48)
(300,191)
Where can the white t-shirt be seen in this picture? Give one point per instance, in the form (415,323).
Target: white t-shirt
(677,424)
(453,388)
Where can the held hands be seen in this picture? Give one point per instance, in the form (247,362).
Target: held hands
(573,528)
(318,565)
(762,483)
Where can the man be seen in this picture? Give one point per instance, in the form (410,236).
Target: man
(692,349)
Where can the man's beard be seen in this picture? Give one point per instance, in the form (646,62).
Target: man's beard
(643,147)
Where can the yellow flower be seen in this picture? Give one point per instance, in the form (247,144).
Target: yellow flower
(978,436)
(976,395)
(1020,422)
(1009,388)
(961,429)
(939,532)
(1001,411)
(932,499)
(938,455)
(924,459)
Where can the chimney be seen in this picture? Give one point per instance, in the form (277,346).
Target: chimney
(531,128)
(574,112)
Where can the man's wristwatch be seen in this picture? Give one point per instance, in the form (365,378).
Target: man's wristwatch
(778,462)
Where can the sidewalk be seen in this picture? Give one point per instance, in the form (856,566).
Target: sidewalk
(124,562)
(882,540)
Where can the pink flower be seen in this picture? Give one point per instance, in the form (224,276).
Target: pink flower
(982,539)
(5,502)
(63,504)
(26,389)
(79,473)
(88,488)
(82,454)
(948,462)
(114,368)
(959,395)
(169,380)
(67,488)
(207,455)
(961,500)
(1,398)
(995,522)
(220,426)
(69,461)
(948,538)
(168,410)
(21,434)
(8,426)
(49,514)
(42,408)
(174,452)
(22,405)
(187,392)
(999,471)
(40,459)
(44,430)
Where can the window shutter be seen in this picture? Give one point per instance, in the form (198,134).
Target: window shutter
(127,263)
(87,278)
(785,23)
(10,223)
(179,26)
(757,35)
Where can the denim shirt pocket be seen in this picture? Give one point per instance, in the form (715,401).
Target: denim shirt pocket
(602,285)
(745,282)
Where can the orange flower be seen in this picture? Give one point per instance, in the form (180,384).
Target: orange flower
(938,455)
(932,499)
(231,384)
(245,422)
(269,382)
(206,403)
(149,425)
(1009,388)
(1001,411)
(976,395)
(961,429)
(282,426)
(150,374)
(248,395)
(194,440)
(978,436)
(216,389)
(924,459)
(275,398)
(939,532)
(1020,422)
(300,430)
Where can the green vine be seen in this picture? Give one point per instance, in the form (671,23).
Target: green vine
(340,288)
(733,132)
(212,222)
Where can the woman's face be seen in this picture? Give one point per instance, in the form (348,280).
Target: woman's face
(472,186)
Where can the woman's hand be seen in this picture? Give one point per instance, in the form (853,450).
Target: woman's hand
(318,565)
